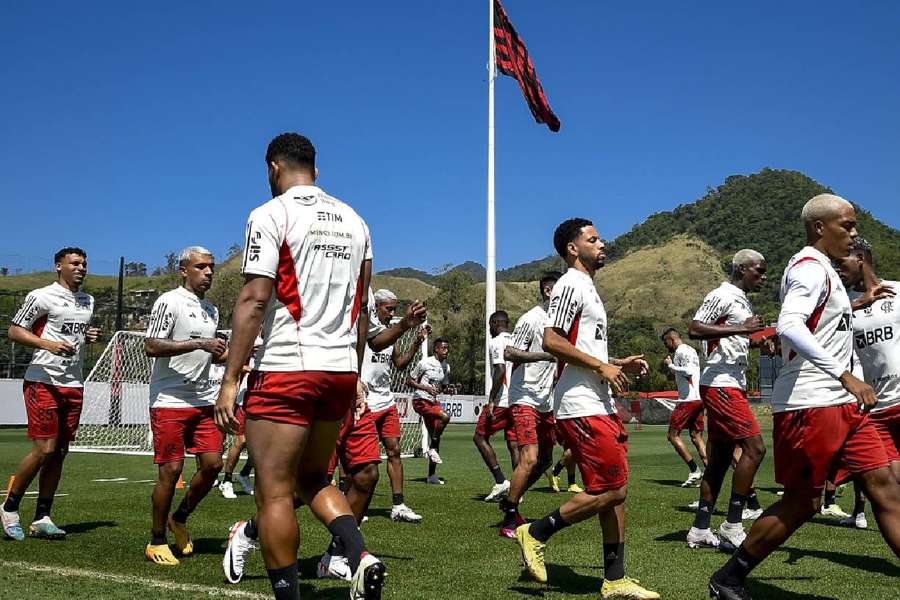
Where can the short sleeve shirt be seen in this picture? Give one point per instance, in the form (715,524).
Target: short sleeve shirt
(430,371)
(876,339)
(56,313)
(376,367)
(688,383)
(531,384)
(496,350)
(576,309)
(726,358)
(184,380)
(313,246)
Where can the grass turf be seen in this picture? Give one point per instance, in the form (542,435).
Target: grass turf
(454,553)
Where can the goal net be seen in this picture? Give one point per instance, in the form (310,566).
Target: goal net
(115,417)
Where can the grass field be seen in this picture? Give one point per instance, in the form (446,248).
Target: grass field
(454,553)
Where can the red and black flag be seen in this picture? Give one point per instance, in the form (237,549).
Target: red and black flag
(513,60)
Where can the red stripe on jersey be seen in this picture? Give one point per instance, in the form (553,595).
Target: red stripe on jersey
(38,327)
(573,339)
(287,287)
(357,302)
(813,321)
(711,345)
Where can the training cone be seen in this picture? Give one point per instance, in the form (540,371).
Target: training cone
(180,484)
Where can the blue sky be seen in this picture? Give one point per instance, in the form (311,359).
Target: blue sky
(136,129)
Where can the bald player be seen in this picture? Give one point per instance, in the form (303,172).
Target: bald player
(822,430)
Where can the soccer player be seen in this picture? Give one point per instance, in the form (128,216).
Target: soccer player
(567,462)
(428,378)
(239,443)
(821,426)
(376,374)
(495,415)
(531,404)
(577,335)
(724,321)
(182,339)
(55,321)
(688,413)
(876,330)
(307,265)
(357,445)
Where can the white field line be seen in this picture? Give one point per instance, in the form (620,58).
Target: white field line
(130,580)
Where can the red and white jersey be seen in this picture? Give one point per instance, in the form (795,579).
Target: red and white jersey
(876,336)
(726,358)
(185,380)
(313,246)
(430,371)
(531,384)
(686,366)
(56,313)
(812,292)
(576,309)
(376,368)
(496,348)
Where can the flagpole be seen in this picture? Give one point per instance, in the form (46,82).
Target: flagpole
(490,285)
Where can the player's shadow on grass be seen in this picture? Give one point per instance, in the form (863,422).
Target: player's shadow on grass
(561,579)
(667,482)
(87,526)
(209,545)
(863,563)
(760,589)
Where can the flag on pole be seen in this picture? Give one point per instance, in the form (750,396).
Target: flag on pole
(512,59)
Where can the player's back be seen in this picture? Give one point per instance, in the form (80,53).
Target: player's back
(313,246)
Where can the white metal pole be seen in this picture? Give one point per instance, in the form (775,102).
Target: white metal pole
(490,285)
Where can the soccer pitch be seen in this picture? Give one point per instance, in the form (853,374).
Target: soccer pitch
(454,553)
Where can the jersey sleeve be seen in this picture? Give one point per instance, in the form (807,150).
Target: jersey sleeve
(375,324)
(367,254)
(498,345)
(34,307)
(417,371)
(162,319)
(265,234)
(565,305)
(714,307)
(805,287)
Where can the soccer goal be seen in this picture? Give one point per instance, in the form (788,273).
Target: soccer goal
(116,414)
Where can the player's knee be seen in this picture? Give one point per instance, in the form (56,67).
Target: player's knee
(366,478)
(212,467)
(672,435)
(755,449)
(169,472)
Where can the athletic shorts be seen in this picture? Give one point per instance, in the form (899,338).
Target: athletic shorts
(501,418)
(387,422)
(729,415)
(532,426)
(887,424)
(299,397)
(53,411)
(357,444)
(831,443)
(687,415)
(557,432)
(599,445)
(191,429)
(241,417)
(429,410)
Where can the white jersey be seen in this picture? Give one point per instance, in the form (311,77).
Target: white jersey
(56,313)
(726,358)
(811,291)
(496,349)
(531,384)
(576,309)
(376,368)
(313,246)
(686,366)
(876,335)
(184,380)
(430,371)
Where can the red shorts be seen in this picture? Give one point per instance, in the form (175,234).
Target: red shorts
(831,443)
(178,429)
(533,427)
(501,418)
(387,422)
(887,424)
(729,414)
(557,432)
(357,443)
(599,445)
(241,417)
(430,410)
(687,415)
(299,397)
(53,411)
